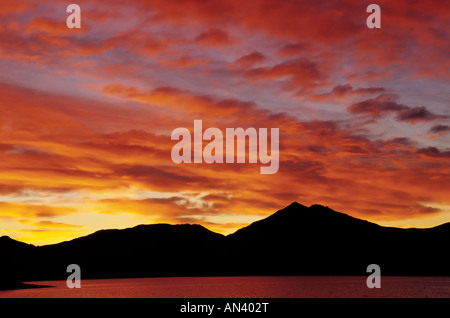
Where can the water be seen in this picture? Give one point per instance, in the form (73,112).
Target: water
(242,287)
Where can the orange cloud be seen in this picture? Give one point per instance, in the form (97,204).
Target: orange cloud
(302,73)
(181,100)
(49,224)
(50,27)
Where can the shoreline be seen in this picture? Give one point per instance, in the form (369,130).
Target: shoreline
(20,285)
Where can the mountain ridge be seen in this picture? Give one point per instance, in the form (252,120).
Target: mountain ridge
(293,204)
(296,240)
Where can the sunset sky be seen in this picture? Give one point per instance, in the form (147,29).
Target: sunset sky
(87,114)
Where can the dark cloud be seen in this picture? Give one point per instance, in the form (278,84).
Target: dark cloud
(354,149)
(318,149)
(348,89)
(387,104)
(401,140)
(377,106)
(340,91)
(439,129)
(415,114)
(434,152)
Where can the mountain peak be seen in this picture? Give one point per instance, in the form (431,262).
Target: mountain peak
(297,219)
(8,241)
(6,238)
(295,204)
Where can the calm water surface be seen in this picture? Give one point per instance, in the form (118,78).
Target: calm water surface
(241,287)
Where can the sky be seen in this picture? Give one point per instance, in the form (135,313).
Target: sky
(87,114)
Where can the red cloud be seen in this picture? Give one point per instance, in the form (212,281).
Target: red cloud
(50,27)
(291,49)
(300,73)
(343,91)
(250,59)
(214,37)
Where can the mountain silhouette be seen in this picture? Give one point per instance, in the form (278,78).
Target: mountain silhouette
(15,259)
(296,240)
(320,241)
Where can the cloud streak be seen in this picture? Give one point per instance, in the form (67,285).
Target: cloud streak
(387,104)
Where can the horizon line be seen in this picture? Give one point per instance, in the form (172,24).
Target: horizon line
(225,235)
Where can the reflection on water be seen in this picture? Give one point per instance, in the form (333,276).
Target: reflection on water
(241,287)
